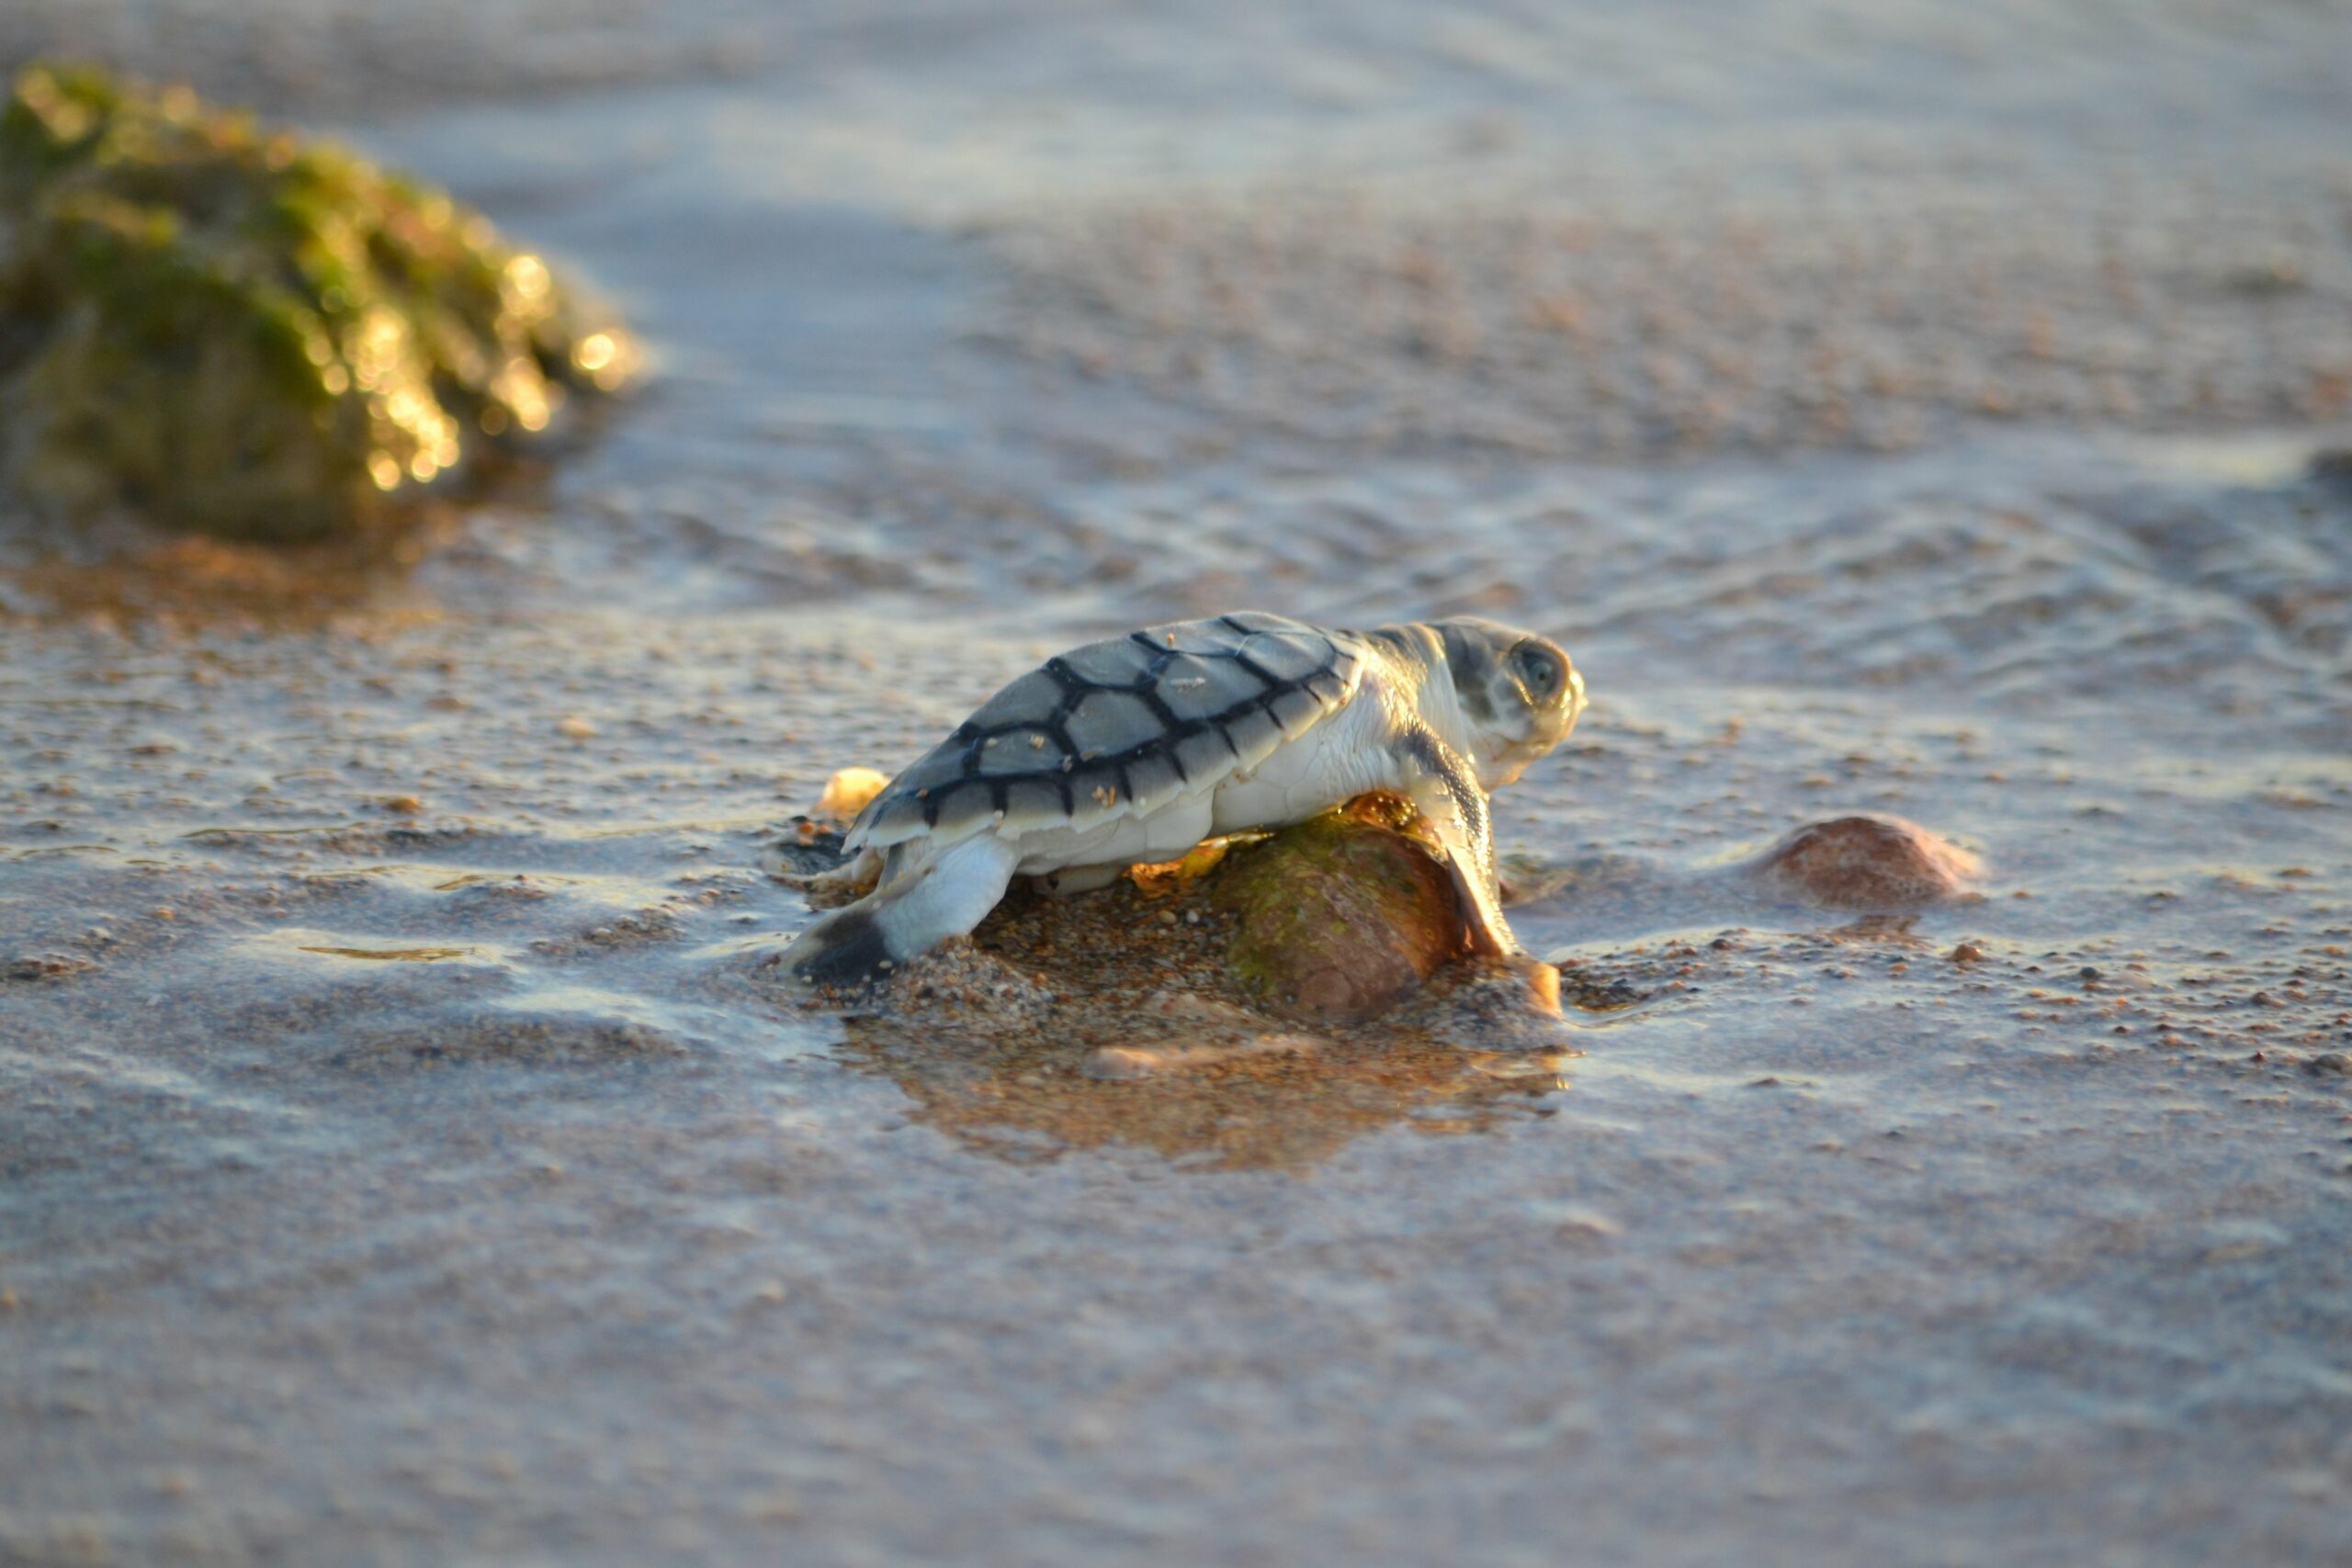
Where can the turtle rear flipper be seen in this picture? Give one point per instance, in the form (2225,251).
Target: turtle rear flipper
(915,908)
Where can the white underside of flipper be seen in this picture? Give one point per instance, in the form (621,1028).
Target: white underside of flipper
(922,900)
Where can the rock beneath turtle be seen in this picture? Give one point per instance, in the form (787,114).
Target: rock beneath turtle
(1864,864)
(235,330)
(1341,916)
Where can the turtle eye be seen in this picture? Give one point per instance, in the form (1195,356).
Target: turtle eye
(1538,671)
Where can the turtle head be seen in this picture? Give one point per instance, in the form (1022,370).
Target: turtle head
(1519,693)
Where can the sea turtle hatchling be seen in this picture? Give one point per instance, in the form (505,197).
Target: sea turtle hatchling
(1136,748)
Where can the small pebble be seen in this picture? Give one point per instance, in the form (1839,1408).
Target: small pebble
(1865,863)
(847,792)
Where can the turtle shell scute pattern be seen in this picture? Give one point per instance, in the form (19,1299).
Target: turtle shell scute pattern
(1121,726)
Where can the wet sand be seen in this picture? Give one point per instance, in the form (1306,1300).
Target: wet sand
(408,1152)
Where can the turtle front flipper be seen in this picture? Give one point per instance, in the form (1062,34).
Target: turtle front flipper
(1444,789)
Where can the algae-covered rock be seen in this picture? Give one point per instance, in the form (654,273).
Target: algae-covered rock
(1343,915)
(235,329)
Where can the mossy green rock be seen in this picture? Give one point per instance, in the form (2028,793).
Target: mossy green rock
(233,329)
(1342,916)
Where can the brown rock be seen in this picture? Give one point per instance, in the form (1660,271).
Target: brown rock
(1340,918)
(1866,863)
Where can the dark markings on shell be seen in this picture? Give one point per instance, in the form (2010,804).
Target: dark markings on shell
(1157,703)
(1256,668)
(1299,671)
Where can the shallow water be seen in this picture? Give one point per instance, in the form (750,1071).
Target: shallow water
(404,1145)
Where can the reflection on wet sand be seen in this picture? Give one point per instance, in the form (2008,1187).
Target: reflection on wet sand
(1287,1105)
(437,556)
(137,578)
